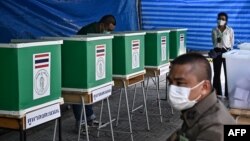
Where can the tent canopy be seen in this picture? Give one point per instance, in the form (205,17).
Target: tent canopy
(35,18)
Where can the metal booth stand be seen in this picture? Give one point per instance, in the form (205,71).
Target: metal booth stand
(156,72)
(88,97)
(125,82)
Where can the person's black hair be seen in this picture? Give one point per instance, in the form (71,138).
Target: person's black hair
(107,19)
(200,65)
(222,14)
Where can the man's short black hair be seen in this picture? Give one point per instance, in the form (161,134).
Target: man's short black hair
(200,65)
(107,19)
(222,14)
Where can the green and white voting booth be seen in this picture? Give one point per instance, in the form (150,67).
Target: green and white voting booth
(178,39)
(156,58)
(30,75)
(157,50)
(128,67)
(86,62)
(30,84)
(128,53)
(86,71)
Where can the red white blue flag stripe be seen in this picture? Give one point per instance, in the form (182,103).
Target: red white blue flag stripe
(100,50)
(42,60)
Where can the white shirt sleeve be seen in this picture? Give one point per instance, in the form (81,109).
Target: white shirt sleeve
(232,37)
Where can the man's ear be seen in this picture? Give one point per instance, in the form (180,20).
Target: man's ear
(206,87)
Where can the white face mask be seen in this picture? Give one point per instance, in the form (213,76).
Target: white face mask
(179,97)
(221,22)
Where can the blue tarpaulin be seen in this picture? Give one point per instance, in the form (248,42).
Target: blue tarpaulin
(199,16)
(31,19)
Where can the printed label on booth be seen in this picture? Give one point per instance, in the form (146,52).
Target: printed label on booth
(135,54)
(101,93)
(182,39)
(42,115)
(163,48)
(41,75)
(100,67)
(182,44)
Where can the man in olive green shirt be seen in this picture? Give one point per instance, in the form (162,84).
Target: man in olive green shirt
(191,92)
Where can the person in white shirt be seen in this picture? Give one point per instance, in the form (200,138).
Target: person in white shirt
(223,41)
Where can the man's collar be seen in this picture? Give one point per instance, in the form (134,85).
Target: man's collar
(192,115)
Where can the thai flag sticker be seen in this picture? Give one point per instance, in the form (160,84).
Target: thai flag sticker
(163,48)
(100,68)
(182,40)
(182,37)
(135,54)
(41,75)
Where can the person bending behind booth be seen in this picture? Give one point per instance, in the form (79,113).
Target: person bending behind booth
(223,41)
(191,92)
(106,24)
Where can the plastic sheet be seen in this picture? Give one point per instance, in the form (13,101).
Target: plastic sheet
(29,19)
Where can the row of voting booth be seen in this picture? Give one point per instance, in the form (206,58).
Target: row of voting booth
(37,76)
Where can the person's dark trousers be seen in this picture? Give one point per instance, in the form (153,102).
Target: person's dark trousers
(217,63)
(77,111)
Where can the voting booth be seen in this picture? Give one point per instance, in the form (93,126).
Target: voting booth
(86,64)
(128,53)
(86,72)
(30,75)
(157,51)
(177,38)
(30,85)
(156,47)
